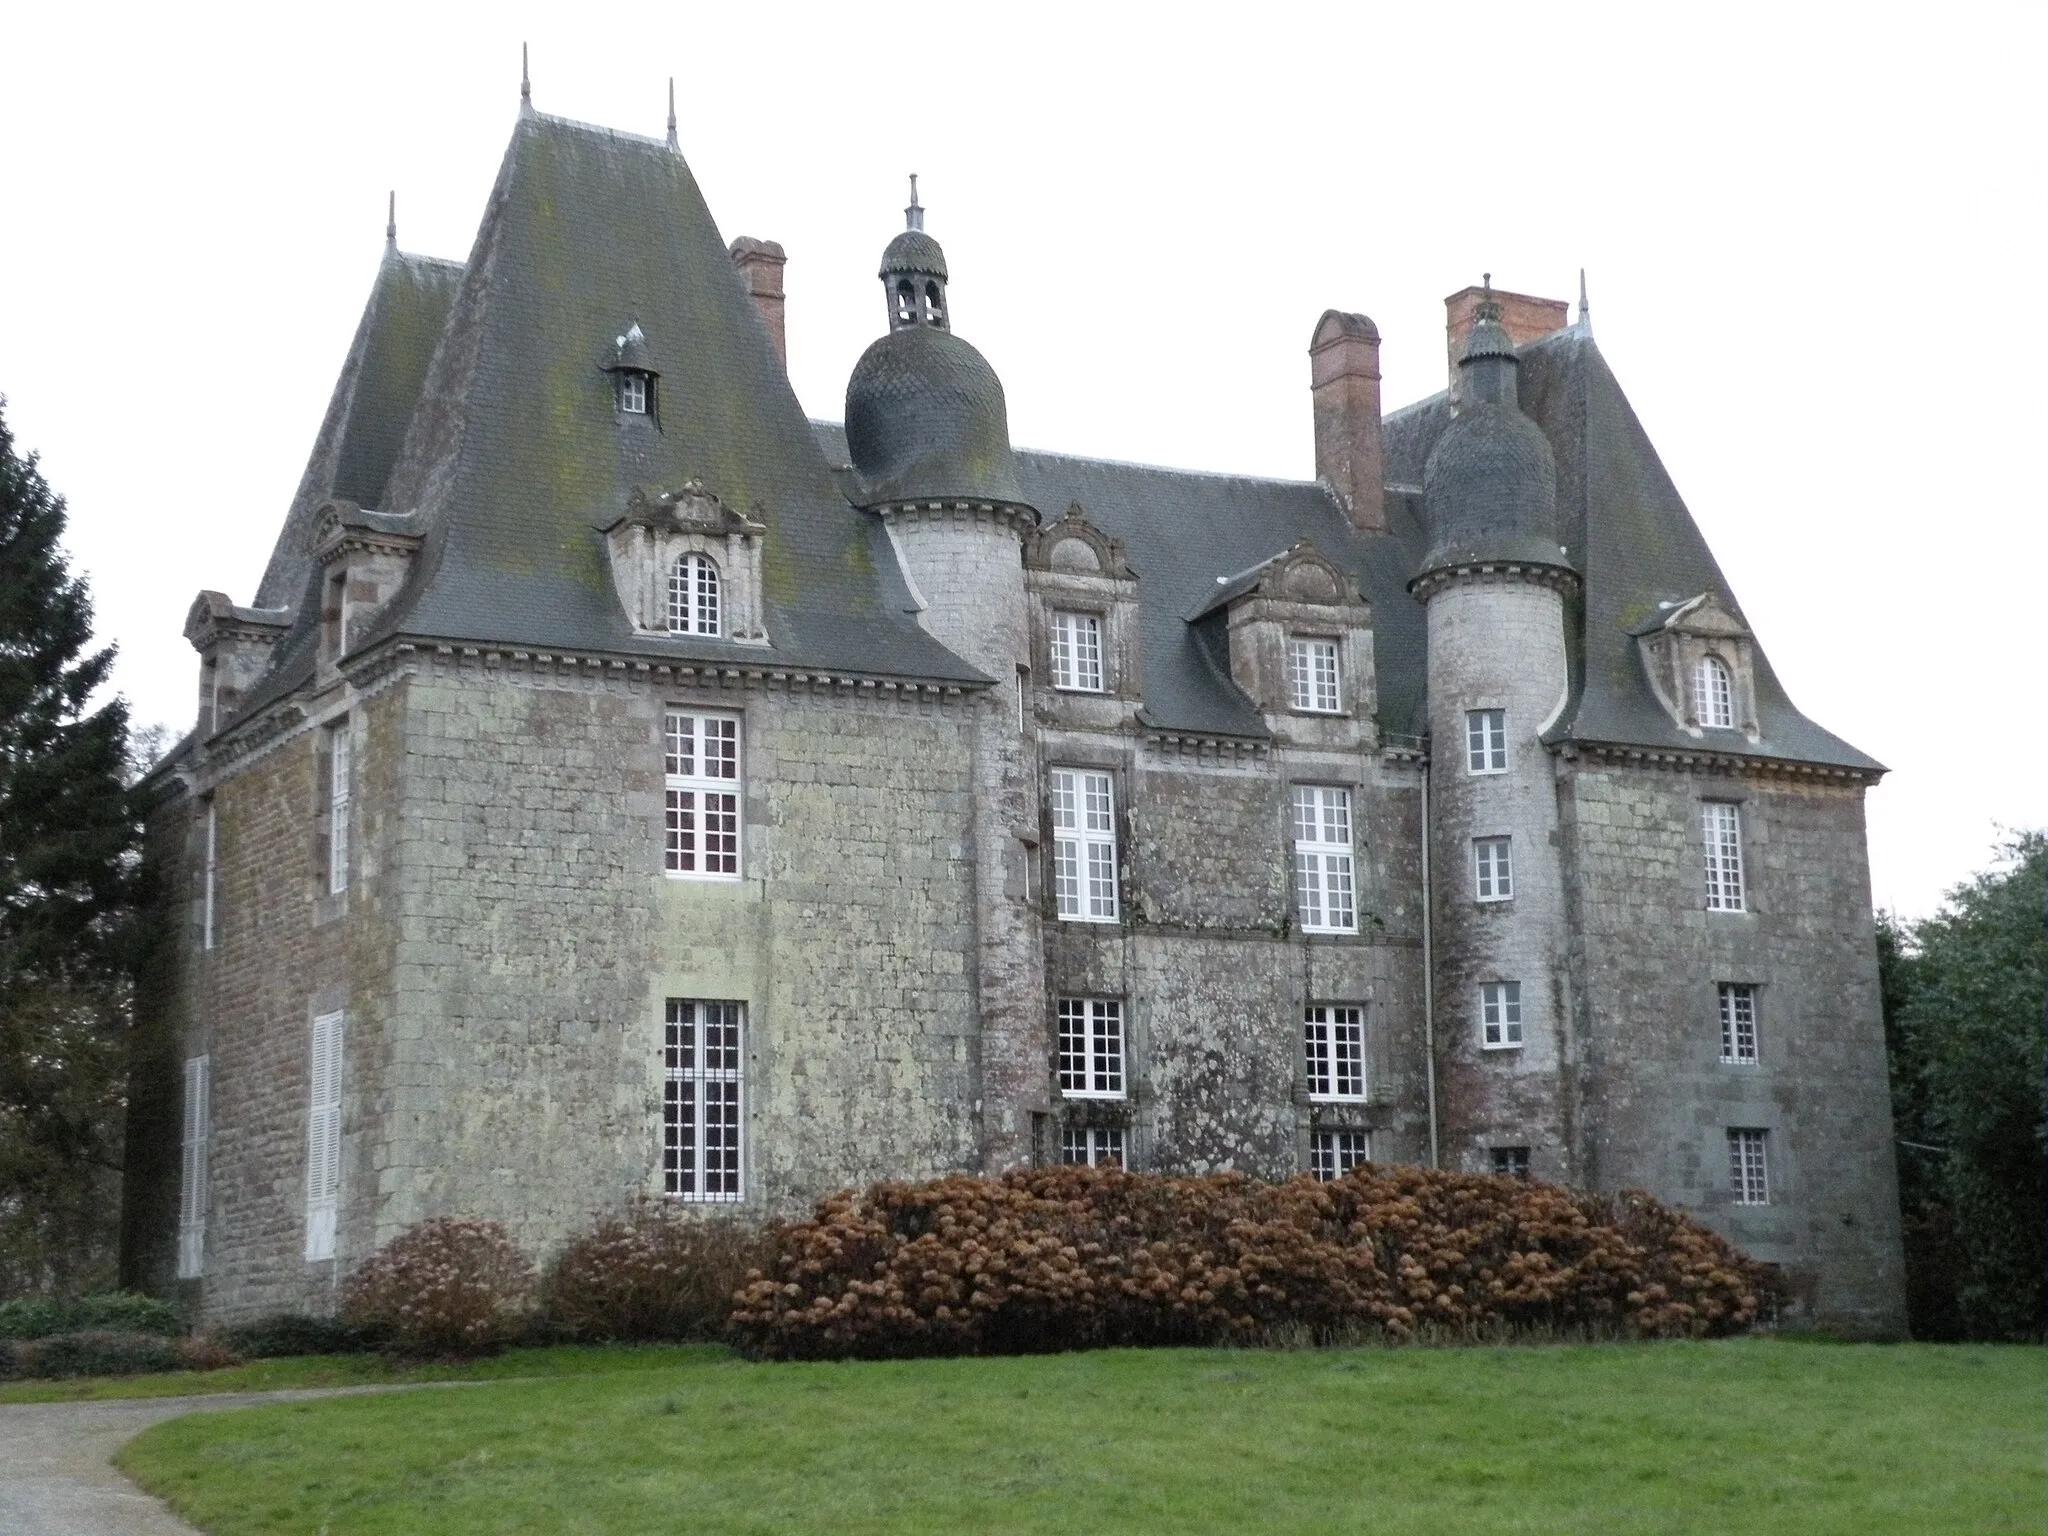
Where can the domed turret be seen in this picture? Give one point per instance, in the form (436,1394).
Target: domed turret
(1490,486)
(925,415)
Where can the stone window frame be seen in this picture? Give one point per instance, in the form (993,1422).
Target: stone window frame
(209,878)
(655,532)
(692,1086)
(1493,868)
(1076,844)
(194,1175)
(324,1076)
(1095,1146)
(1093,1039)
(1298,593)
(1327,1030)
(1071,670)
(1330,886)
(1504,1030)
(1737,999)
(1727,885)
(1749,1164)
(684,774)
(1335,1151)
(1486,748)
(1071,567)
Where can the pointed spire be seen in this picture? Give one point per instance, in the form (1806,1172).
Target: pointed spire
(913,216)
(673,142)
(1585,312)
(525,85)
(391,223)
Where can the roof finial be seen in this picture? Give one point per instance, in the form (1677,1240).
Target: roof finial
(525,86)
(391,222)
(673,143)
(913,216)
(1486,282)
(1585,312)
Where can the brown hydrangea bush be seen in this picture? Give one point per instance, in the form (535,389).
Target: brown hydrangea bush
(448,1286)
(653,1272)
(1070,1258)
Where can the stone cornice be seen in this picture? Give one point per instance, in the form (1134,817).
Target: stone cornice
(1735,764)
(1021,520)
(1559,578)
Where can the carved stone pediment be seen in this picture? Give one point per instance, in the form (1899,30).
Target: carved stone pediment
(658,530)
(1075,545)
(1677,640)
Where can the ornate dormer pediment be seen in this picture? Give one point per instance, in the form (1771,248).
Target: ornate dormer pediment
(1076,546)
(669,549)
(1278,616)
(1700,659)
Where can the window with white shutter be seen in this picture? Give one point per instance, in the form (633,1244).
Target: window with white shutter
(703,1098)
(701,768)
(1084,845)
(1334,1042)
(1721,825)
(1324,889)
(192,1178)
(323,1137)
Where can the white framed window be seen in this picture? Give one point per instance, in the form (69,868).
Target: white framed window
(1332,1154)
(1486,741)
(1493,868)
(1077,652)
(633,393)
(1510,1162)
(1098,1146)
(701,769)
(1091,1047)
(1749,1173)
(1324,889)
(1722,825)
(1084,845)
(1313,684)
(1500,1015)
(1713,693)
(693,596)
(1738,1024)
(1333,1037)
(208,932)
(192,1175)
(323,1136)
(702,1100)
(340,791)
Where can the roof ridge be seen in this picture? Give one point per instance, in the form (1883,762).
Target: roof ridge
(1170,469)
(599,130)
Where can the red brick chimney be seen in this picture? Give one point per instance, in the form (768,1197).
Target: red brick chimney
(760,263)
(1525,317)
(1344,379)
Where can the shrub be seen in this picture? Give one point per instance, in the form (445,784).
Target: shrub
(653,1272)
(112,1312)
(1067,1258)
(293,1333)
(447,1286)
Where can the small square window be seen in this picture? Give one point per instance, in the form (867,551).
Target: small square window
(1510,1162)
(1313,683)
(633,393)
(1098,1146)
(1749,1171)
(1077,652)
(1091,1047)
(1332,1154)
(1738,1024)
(1334,1044)
(1500,1015)
(1486,740)
(1494,872)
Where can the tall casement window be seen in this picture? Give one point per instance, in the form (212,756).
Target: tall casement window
(1312,681)
(1084,845)
(1486,741)
(1494,871)
(1511,1162)
(341,774)
(1324,890)
(702,775)
(1749,1173)
(1713,694)
(693,605)
(1722,825)
(192,1181)
(1091,1047)
(1738,1024)
(703,1088)
(323,1137)
(1500,1015)
(1077,652)
(1098,1146)
(208,920)
(1334,1039)
(1332,1154)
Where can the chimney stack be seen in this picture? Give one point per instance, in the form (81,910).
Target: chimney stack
(1525,317)
(1344,379)
(760,265)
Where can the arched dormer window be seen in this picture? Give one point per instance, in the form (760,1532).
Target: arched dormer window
(693,596)
(1713,693)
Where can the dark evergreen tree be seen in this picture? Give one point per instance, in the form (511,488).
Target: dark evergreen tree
(68,839)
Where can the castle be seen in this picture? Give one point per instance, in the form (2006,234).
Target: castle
(622,785)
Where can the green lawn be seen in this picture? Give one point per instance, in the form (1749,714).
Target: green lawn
(1752,1436)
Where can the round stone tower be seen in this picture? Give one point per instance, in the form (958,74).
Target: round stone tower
(1494,582)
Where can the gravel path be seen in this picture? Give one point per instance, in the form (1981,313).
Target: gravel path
(57,1475)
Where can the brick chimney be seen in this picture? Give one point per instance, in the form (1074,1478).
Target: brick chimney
(1344,379)
(1525,317)
(760,263)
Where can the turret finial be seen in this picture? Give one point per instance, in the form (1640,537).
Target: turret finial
(913,216)
(1585,312)
(1488,308)
(391,222)
(673,143)
(525,85)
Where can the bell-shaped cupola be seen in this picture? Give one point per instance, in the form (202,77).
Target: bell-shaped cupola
(925,415)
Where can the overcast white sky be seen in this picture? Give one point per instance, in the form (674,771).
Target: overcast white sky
(1812,236)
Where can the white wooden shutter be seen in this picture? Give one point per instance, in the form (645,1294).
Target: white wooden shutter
(323,1137)
(192,1190)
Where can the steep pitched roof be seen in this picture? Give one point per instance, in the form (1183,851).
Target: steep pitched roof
(367,414)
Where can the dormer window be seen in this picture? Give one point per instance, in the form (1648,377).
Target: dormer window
(1077,652)
(631,366)
(693,596)
(636,393)
(1312,675)
(1713,693)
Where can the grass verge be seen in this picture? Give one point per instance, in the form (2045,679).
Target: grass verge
(1755,1435)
